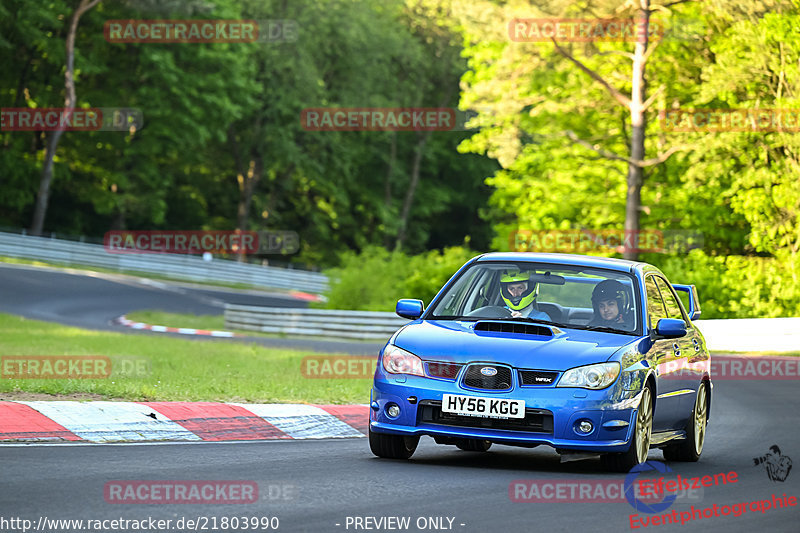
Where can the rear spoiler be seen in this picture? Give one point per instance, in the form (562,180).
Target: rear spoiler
(694,300)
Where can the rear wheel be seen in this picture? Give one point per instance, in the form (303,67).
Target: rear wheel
(690,448)
(474,445)
(640,442)
(392,446)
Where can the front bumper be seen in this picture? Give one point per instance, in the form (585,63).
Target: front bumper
(611,411)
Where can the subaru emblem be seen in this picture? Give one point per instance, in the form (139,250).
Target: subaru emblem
(488,371)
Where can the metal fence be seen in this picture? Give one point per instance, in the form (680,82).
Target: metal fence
(739,335)
(314,322)
(186,267)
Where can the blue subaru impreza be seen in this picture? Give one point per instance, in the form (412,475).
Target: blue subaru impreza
(592,356)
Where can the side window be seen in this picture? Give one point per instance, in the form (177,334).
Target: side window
(673,308)
(456,298)
(655,305)
(477,296)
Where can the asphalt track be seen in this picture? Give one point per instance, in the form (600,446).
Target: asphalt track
(92,300)
(322,483)
(315,485)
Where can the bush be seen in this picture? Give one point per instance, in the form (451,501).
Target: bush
(729,286)
(375,279)
(737,286)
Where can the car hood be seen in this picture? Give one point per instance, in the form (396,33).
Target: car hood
(458,342)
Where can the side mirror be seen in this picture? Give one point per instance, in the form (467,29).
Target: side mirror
(407,308)
(671,328)
(694,299)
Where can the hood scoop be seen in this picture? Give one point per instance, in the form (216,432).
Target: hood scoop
(524,328)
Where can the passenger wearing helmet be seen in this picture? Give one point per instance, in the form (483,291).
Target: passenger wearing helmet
(519,294)
(611,304)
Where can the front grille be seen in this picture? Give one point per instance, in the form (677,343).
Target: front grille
(535,421)
(537,377)
(443,370)
(475,379)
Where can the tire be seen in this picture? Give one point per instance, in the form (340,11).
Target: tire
(689,449)
(640,441)
(474,445)
(392,446)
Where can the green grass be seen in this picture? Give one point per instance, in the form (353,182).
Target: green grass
(181,370)
(212,322)
(180,320)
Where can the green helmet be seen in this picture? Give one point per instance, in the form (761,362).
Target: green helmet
(516,303)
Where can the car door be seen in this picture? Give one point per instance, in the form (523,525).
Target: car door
(666,360)
(690,349)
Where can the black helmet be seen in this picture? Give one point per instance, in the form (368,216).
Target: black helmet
(611,289)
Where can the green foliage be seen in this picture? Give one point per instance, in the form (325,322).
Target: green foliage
(212,109)
(215,111)
(740,190)
(738,286)
(375,279)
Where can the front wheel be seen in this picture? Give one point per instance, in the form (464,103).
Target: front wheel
(640,442)
(392,446)
(691,447)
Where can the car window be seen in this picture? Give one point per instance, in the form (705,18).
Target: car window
(455,298)
(673,309)
(560,294)
(655,305)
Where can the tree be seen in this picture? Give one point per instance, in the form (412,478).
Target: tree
(69,104)
(525,94)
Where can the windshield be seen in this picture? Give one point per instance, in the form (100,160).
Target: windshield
(567,296)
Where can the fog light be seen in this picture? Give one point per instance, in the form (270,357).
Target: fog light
(393,411)
(585,426)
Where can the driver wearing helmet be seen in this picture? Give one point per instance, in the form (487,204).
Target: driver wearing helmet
(519,294)
(611,304)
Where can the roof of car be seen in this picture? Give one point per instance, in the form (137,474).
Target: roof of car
(610,263)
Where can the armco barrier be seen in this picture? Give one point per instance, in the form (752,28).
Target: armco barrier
(314,322)
(186,267)
(739,335)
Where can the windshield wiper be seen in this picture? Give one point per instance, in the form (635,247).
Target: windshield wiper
(605,329)
(454,317)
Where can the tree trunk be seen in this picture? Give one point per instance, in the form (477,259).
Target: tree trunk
(69,103)
(387,188)
(415,170)
(412,187)
(247,184)
(633,200)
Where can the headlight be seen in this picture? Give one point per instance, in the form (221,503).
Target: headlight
(398,361)
(595,377)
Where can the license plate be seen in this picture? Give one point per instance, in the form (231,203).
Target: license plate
(484,407)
